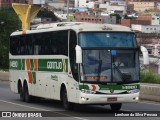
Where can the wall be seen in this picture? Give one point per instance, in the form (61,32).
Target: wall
(142,6)
(146,28)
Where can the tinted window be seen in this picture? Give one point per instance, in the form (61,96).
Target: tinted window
(47,43)
(115,39)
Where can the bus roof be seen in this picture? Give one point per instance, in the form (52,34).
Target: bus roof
(76,26)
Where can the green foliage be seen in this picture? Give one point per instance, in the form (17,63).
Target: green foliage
(44,13)
(149,77)
(9,22)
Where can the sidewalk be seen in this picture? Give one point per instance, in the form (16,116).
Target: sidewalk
(4,76)
(150,92)
(147,91)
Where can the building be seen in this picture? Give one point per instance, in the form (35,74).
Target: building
(142,6)
(61,4)
(129,22)
(8,3)
(119,9)
(93,18)
(84,3)
(146,28)
(154,18)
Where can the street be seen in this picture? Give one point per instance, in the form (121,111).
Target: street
(9,101)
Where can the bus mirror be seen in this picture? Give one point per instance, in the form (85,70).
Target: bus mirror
(145,55)
(78,54)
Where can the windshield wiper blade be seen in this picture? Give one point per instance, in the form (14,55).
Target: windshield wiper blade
(99,67)
(123,76)
(118,70)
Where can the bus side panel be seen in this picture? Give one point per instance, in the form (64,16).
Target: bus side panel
(12,81)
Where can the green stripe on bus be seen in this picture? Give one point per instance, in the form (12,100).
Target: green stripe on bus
(32,64)
(15,64)
(113,87)
(53,65)
(83,87)
(118,87)
(34,77)
(22,64)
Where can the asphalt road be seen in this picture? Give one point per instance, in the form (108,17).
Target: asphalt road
(9,101)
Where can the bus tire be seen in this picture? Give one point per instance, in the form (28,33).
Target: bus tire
(20,91)
(66,104)
(21,94)
(116,106)
(27,97)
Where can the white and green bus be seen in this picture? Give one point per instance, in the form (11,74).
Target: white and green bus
(76,63)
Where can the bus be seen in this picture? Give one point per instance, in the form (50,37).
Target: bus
(76,63)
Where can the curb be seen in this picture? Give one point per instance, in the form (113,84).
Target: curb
(4,76)
(150,92)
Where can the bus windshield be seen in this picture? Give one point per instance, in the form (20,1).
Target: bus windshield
(110,39)
(109,65)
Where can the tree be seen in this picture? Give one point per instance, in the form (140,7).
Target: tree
(9,22)
(44,13)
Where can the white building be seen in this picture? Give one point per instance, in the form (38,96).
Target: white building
(104,5)
(84,3)
(122,8)
(146,28)
(155,19)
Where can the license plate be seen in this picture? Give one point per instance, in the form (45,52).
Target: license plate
(111,99)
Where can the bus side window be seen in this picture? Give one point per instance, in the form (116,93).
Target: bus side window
(72,54)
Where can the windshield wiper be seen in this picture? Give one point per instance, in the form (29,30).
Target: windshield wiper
(118,70)
(123,76)
(99,67)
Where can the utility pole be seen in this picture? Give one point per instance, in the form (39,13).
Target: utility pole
(67,10)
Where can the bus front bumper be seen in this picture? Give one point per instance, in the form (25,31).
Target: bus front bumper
(107,99)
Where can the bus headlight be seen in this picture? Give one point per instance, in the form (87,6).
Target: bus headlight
(88,91)
(133,91)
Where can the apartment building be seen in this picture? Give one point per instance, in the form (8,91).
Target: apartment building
(93,18)
(129,22)
(142,6)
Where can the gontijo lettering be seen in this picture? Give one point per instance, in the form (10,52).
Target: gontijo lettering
(54,65)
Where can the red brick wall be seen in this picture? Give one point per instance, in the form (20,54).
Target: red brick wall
(128,22)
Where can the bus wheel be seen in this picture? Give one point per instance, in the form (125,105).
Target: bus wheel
(67,105)
(20,91)
(116,106)
(27,97)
